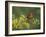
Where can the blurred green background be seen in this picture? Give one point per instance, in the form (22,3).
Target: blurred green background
(25,18)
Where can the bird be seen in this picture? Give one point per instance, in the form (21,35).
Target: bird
(30,15)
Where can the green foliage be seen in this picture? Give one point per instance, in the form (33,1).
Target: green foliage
(20,23)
